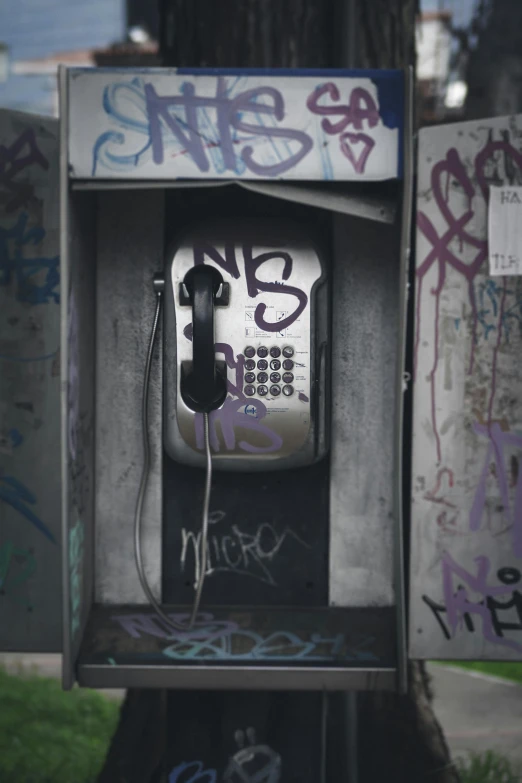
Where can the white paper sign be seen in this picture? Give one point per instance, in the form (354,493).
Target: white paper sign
(505,230)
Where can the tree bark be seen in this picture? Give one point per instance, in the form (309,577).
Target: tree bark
(399,736)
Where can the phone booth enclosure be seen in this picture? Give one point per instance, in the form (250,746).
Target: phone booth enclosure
(304,583)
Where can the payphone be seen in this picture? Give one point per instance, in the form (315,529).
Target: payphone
(245,356)
(252,463)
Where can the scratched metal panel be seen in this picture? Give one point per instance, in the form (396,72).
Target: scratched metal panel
(172,123)
(365,351)
(30,609)
(466,546)
(130,251)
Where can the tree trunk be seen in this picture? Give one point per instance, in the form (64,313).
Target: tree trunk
(399,736)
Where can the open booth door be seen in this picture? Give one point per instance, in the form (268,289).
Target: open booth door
(30,481)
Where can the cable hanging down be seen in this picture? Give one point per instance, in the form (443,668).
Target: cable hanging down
(175,626)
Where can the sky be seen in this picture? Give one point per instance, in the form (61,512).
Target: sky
(462,9)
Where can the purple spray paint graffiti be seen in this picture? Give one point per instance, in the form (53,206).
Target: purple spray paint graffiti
(242,125)
(460,610)
(473,429)
(360,109)
(441,253)
(230,112)
(231,416)
(498,440)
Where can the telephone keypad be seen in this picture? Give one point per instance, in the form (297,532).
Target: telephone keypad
(275,377)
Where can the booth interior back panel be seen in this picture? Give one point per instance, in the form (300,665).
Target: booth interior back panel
(130,251)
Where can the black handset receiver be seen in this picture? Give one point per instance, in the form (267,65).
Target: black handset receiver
(203,381)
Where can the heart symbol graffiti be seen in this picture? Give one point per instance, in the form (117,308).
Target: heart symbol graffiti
(349,139)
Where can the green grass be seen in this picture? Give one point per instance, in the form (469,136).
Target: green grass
(508,670)
(51,736)
(487,767)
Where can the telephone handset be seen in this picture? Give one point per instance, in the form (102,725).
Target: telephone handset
(246,341)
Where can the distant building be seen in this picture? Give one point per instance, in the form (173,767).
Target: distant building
(39,35)
(433,40)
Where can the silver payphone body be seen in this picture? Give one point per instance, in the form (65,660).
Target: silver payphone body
(246,340)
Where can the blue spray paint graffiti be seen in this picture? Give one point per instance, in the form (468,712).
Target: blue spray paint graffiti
(27,273)
(181,124)
(210,638)
(192,772)
(253,762)
(76,549)
(15,494)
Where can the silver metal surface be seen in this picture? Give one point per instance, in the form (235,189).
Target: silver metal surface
(129,252)
(227,678)
(138,517)
(123,126)
(204,522)
(336,198)
(365,352)
(405,251)
(248,433)
(466,512)
(30,526)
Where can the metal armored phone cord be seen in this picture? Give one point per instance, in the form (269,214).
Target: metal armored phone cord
(204,524)
(158,287)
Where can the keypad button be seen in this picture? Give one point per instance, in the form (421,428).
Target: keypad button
(275,364)
(275,351)
(262,364)
(262,351)
(288,364)
(250,391)
(275,391)
(249,351)
(262,391)
(288,351)
(275,377)
(250,377)
(288,391)
(262,377)
(250,364)
(288,377)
